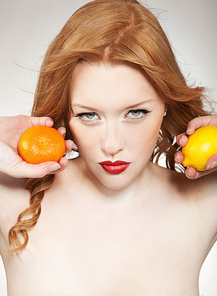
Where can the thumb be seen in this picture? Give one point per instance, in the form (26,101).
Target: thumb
(26,170)
(42,121)
(212,162)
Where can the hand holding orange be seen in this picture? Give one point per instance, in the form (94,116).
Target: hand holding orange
(201,145)
(40,144)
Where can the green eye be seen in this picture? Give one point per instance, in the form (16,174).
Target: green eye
(136,114)
(88,116)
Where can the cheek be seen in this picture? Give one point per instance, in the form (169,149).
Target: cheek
(84,138)
(144,137)
(76,132)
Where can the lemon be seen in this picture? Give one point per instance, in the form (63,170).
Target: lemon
(201,145)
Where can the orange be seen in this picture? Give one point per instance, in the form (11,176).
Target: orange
(41,143)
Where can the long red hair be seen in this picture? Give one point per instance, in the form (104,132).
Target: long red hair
(114,32)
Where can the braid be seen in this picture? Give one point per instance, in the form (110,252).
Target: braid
(27,219)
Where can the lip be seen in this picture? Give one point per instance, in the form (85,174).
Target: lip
(116,167)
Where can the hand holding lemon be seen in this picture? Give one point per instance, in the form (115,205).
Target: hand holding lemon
(201,145)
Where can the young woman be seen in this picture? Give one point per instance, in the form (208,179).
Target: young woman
(115,222)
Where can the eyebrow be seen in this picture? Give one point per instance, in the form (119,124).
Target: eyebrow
(128,107)
(139,104)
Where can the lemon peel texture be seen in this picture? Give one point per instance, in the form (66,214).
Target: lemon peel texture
(200,147)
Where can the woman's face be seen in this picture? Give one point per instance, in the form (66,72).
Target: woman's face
(116,117)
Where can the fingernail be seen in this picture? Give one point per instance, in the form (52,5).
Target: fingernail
(212,165)
(189,131)
(49,122)
(54,167)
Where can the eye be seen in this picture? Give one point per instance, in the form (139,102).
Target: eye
(88,116)
(137,113)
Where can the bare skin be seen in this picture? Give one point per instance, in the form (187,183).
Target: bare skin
(182,140)
(91,243)
(145,231)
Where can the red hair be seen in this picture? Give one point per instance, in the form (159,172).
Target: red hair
(113,32)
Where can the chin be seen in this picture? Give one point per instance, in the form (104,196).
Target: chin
(115,182)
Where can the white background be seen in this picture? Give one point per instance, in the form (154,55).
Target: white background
(28,26)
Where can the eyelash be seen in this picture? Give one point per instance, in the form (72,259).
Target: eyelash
(80,115)
(144,111)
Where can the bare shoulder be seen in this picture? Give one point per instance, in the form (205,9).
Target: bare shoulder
(7,182)
(202,190)
(199,195)
(10,188)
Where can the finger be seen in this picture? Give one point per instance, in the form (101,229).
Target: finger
(179,157)
(69,145)
(26,170)
(197,123)
(42,121)
(62,131)
(192,173)
(213,120)
(63,163)
(182,140)
(212,162)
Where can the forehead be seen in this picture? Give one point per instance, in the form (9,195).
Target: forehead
(105,84)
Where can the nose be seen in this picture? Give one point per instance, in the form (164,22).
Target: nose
(112,140)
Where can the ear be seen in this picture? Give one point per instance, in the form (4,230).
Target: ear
(165,110)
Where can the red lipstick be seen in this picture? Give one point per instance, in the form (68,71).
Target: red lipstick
(116,167)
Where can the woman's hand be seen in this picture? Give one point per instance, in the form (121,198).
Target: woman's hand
(11,163)
(182,140)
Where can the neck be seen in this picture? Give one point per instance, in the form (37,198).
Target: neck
(140,187)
